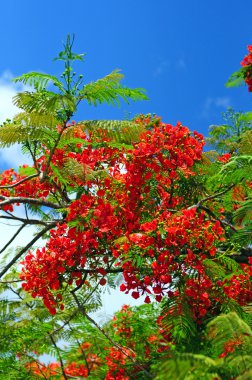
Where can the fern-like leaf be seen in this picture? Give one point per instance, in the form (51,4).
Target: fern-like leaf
(44,102)
(121,131)
(39,80)
(37,120)
(13,132)
(178,319)
(237,78)
(108,90)
(235,171)
(244,213)
(228,327)
(245,145)
(186,367)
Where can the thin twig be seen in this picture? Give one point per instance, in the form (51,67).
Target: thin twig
(13,238)
(23,250)
(59,356)
(19,182)
(26,221)
(11,200)
(44,173)
(216,195)
(80,347)
(65,323)
(83,312)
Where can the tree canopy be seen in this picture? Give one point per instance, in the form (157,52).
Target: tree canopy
(136,204)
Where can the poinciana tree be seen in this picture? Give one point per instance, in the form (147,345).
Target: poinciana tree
(137,199)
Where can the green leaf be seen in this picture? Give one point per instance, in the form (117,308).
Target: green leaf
(227,327)
(237,78)
(185,367)
(108,90)
(26,171)
(39,80)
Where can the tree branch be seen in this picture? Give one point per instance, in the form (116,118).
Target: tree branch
(11,200)
(19,182)
(59,356)
(23,250)
(13,238)
(44,173)
(83,312)
(26,221)
(216,195)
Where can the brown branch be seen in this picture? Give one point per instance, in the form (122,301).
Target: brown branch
(216,195)
(212,214)
(26,221)
(19,182)
(83,312)
(59,356)
(23,250)
(44,173)
(33,154)
(81,349)
(65,323)
(11,200)
(62,192)
(13,238)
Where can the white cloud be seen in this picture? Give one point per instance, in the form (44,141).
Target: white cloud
(161,68)
(8,90)
(165,65)
(211,104)
(181,64)
(11,156)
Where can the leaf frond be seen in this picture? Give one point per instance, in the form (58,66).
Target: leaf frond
(109,90)
(186,366)
(178,319)
(120,131)
(226,327)
(39,80)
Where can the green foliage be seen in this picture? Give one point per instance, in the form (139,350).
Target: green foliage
(237,78)
(178,320)
(186,367)
(227,350)
(226,327)
(44,109)
(39,80)
(109,90)
(116,131)
(228,137)
(181,345)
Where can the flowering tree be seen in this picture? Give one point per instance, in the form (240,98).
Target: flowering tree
(136,200)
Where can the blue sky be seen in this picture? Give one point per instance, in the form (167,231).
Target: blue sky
(181,52)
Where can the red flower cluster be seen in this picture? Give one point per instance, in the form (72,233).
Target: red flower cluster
(239,286)
(42,370)
(132,215)
(247,63)
(71,369)
(116,360)
(224,158)
(123,322)
(231,346)
(31,189)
